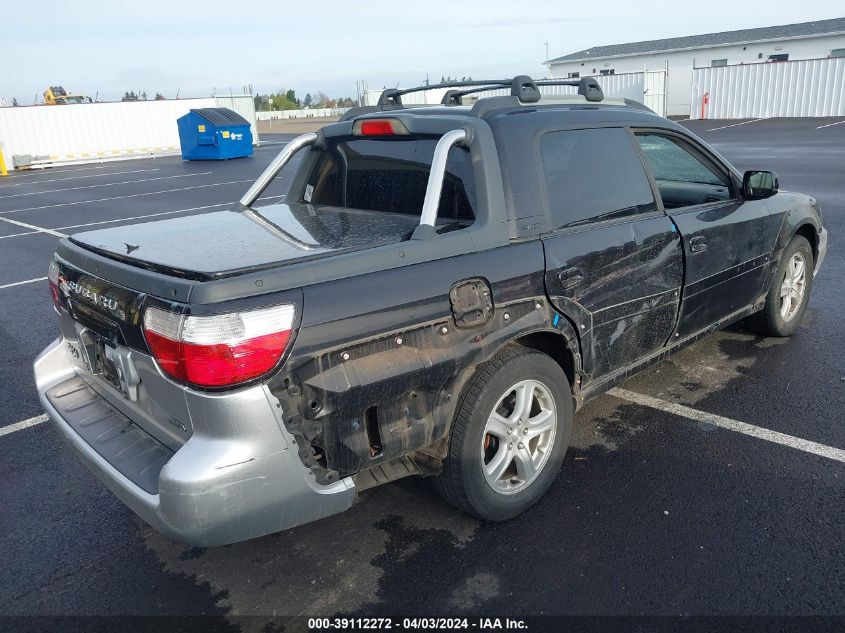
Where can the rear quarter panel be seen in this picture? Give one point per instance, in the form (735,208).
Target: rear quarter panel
(388,340)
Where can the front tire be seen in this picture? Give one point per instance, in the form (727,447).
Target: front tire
(787,299)
(509,437)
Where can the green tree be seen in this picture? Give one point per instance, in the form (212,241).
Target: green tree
(291,96)
(307,101)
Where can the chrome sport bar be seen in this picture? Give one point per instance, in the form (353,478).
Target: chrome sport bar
(276,166)
(437,173)
(432,191)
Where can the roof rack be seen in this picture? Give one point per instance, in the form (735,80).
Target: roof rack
(522,87)
(587,87)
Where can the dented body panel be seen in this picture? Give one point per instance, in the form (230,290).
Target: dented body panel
(391,324)
(382,348)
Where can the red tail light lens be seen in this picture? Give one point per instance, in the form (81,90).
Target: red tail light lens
(221,350)
(379,127)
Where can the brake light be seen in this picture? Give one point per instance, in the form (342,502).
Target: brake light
(221,350)
(53,280)
(379,127)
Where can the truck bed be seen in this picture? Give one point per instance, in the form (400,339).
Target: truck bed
(228,243)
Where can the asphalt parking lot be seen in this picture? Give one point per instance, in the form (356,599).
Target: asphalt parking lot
(657,511)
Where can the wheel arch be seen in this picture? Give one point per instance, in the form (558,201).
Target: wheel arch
(808,231)
(560,344)
(555,345)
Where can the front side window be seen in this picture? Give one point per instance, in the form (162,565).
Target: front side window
(593,175)
(683,177)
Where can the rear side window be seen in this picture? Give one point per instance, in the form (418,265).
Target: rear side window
(390,176)
(593,175)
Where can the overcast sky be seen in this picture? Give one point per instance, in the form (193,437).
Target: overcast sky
(154,45)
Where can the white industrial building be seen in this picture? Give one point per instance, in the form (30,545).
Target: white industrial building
(678,56)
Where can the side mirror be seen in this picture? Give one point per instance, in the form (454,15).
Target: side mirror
(759,184)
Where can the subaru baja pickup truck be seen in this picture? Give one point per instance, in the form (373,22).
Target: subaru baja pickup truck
(438,292)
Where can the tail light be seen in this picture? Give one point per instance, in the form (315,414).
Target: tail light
(53,280)
(379,127)
(221,350)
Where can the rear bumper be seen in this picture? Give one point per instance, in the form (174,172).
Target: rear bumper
(237,477)
(822,248)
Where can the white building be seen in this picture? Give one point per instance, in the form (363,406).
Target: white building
(679,55)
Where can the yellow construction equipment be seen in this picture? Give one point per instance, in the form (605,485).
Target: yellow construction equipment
(56,95)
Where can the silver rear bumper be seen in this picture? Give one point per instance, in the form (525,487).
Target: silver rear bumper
(238,476)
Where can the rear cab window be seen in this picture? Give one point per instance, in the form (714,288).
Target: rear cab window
(390,176)
(593,175)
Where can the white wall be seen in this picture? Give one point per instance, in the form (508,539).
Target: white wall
(680,63)
(803,88)
(91,132)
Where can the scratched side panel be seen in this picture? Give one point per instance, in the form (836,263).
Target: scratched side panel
(729,274)
(387,340)
(620,286)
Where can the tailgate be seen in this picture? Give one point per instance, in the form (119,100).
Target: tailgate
(101,326)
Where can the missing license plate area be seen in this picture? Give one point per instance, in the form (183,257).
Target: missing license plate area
(94,347)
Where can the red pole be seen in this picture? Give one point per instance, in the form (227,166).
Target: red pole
(705,99)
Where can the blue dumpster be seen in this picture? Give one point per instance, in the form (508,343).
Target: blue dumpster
(214,134)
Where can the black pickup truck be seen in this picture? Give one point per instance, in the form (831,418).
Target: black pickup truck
(441,288)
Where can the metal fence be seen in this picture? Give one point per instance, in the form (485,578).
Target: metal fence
(804,88)
(311,113)
(94,132)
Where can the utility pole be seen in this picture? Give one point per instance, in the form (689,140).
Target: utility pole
(547,49)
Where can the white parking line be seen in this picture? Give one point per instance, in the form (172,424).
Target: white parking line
(733,125)
(732,425)
(103,184)
(131,195)
(37,229)
(831,124)
(23,424)
(21,283)
(52,170)
(38,182)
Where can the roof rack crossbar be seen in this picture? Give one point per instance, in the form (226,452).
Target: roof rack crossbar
(393,96)
(587,86)
(522,87)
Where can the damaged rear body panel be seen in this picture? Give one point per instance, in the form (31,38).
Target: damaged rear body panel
(380,363)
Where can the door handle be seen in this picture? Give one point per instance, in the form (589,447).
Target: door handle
(698,244)
(570,278)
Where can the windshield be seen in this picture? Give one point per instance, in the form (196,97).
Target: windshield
(390,175)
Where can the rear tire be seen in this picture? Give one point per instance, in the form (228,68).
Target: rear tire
(509,436)
(787,299)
